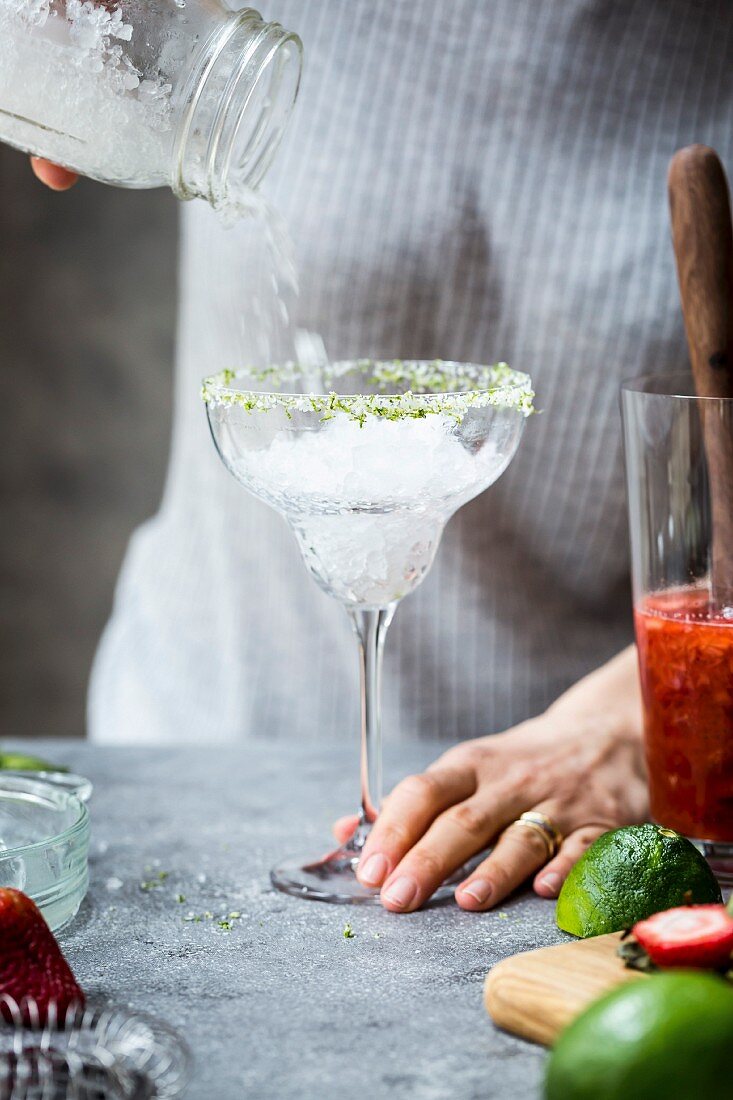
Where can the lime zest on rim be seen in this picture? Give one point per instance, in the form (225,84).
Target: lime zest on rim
(436,387)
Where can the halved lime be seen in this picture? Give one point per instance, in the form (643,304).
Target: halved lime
(630,873)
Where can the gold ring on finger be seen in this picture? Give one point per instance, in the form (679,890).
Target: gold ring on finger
(535,817)
(539,831)
(541,825)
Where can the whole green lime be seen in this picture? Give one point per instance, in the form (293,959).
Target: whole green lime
(666,1037)
(630,873)
(21,762)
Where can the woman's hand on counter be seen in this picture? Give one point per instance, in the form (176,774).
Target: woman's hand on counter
(53,175)
(580,764)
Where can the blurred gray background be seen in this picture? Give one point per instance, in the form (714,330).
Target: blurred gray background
(87,315)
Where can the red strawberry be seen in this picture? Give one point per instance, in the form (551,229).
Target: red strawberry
(694,935)
(31,963)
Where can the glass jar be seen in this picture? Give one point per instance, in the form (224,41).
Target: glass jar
(148,93)
(679,458)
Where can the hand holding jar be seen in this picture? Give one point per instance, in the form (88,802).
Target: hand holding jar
(187,95)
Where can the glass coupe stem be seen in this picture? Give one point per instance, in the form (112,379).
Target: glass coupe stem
(370,628)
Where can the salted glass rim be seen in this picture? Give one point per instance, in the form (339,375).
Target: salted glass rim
(496,384)
(670,383)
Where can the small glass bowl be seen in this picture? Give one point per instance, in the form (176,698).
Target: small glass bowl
(44,840)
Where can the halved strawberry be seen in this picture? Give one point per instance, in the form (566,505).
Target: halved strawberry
(694,935)
(31,963)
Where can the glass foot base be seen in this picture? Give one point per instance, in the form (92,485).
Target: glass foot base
(720,857)
(332,878)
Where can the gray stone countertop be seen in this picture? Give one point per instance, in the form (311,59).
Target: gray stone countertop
(283,1006)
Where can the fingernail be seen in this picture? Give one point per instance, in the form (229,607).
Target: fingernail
(401,892)
(551,882)
(479,890)
(375,870)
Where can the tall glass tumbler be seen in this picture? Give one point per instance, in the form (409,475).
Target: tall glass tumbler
(679,464)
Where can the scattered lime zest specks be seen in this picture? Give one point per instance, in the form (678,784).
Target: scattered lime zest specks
(503,916)
(225,922)
(349,933)
(154,883)
(180,898)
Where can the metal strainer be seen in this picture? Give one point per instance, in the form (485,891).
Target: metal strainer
(91,1054)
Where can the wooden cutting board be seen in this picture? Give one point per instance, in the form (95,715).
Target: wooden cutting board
(536,994)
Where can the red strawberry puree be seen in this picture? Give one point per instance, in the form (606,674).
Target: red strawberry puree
(686,664)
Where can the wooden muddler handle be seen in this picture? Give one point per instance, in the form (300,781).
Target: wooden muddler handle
(703,243)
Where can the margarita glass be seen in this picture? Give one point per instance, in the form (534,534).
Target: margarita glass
(366,461)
